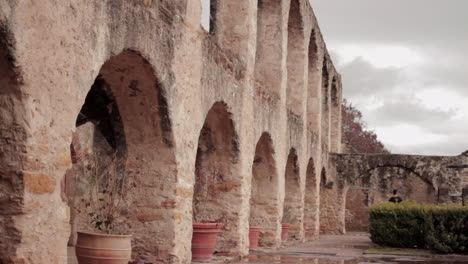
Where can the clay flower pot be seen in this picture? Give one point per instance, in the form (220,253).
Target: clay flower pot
(204,240)
(103,248)
(285,231)
(254,235)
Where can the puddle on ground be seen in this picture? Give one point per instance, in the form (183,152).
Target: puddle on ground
(357,246)
(304,259)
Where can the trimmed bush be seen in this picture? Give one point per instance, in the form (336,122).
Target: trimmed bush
(443,228)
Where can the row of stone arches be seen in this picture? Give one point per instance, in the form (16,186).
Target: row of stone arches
(304,60)
(126,115)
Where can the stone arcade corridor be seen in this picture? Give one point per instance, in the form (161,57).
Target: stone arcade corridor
(239,125)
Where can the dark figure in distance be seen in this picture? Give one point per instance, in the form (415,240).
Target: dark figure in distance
(395,198)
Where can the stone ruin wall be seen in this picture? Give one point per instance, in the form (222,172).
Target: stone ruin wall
(364,179)
(204,118)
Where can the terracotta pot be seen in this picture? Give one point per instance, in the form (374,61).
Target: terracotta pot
(254,236)
(285,231)
(204,240)
(103,249)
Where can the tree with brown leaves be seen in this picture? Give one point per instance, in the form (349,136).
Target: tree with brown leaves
(356,138)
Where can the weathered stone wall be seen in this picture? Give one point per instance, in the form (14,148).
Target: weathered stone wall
(364,179)
(193,106)
(377,186)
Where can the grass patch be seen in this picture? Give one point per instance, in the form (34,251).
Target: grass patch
(399,251)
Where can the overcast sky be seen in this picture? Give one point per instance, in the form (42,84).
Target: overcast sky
(405,66)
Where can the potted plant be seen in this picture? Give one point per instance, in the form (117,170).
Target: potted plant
(101,211)
(286,226)
(254,237)
(204,240)
(205,230)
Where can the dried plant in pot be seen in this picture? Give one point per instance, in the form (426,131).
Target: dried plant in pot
(101,209)
(205,231)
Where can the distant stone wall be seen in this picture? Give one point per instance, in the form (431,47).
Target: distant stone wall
(364,179)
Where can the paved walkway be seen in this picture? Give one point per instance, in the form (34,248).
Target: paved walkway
(329,249)
(340,249)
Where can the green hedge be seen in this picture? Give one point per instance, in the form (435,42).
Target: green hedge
(443,228)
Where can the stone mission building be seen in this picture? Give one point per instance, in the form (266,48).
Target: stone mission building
(233,125)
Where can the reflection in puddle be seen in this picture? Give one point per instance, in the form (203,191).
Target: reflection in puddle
(305,259)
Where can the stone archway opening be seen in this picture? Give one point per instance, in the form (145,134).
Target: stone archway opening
(264,201)
(296,59)
(293,206)
(217,196)
(376,185)
(311,205)
(124,130)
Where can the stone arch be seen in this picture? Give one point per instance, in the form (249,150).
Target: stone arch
(313,106)
(412,178)
(293,204)
(12,148)
(296,64)
(126,112)
(264,200)
(376,184)
(311,201)
(269,53)
(217,190)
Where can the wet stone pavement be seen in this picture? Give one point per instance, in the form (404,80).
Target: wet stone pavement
(330,249)
(307,259)
(339,249)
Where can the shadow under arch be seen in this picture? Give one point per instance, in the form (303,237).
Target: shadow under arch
(311,203)
(293,205)
(217,189)
(264,199)
(127,109)
(13,132)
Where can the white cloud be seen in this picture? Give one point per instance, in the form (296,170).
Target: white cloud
(441,98)
(405,66)
(380,56)
(408,135)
